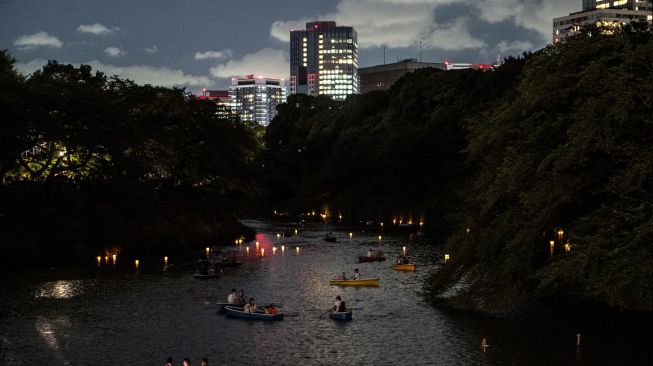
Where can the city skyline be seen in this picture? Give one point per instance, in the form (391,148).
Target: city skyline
(206,44)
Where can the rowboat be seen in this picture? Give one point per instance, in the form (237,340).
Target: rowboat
(237,312)
(221,306)
(374,258)
(343,316)
(200,276)
(361,282)
(404,267)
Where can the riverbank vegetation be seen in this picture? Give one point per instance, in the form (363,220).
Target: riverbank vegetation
(539,174)
(90,163)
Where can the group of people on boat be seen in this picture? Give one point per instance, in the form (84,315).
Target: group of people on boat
(356,276)
(339,305)
(402,260)
(374,253)
(236,297)
(249,306)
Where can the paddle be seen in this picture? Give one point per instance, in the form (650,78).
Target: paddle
(324,313)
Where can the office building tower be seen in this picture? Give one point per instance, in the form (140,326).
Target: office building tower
(256,98)
(381,77)
(324,60)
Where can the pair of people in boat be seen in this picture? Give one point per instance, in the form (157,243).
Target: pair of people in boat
(236,298)
(339,305)
(356,276)
(251,307)
(373,253)
(402,260)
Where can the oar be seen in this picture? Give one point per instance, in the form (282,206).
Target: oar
(324,313)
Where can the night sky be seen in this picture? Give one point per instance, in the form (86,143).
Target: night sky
(202,43)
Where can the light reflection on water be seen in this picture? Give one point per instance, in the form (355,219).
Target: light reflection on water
(120,317)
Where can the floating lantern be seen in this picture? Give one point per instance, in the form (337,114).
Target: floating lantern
(165,261)
(136,263)
(394,221)
(567,247)
(240,241)
(560,233)
(113,257)
(350,235)
(296,232)
(467,230)
(247,249)
(262,252)
(381,225)
(236,241)
(274,250)
(551,246)
(256,245)
(421,223)
(208,250)
(278,236)
(106,259)
(297,250)
(99,260)
(404,248)
(340,217)
(283,248)
(446,258)
(380,238)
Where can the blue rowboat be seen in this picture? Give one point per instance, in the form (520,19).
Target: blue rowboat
(237,312)
(342,316)
(221,306)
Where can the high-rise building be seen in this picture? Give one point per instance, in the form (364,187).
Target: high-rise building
(256,98)
(324,60)
(608,14)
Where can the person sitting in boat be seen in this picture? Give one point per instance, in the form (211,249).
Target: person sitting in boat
(241,297)
(342,277)
(233,297)
(370,252)
(342,308)
(250,306)
(357,275)
(270,309)
(404,260)
(337,303)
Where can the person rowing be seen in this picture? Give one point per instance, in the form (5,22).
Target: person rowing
(250,306)
(357,275)
(232,298)
(339,305)
(342,277)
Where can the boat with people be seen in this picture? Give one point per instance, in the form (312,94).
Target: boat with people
(371,258)
(341,315)
(330,238)
(206,270)
(404,266)
(359,282)
(239,312)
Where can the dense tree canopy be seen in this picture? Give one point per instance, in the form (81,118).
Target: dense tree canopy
(499,162)
(115,163)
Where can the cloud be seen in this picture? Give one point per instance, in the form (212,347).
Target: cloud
(392,23)
(504,46)
(267,62)
(151,50)
(114,52)
(404,23)
(40,39)
(218,55)
(96,28)
(141,74)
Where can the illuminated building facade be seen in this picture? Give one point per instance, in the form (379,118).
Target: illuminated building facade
(604,13)
(324,60)
(381,77)
(256,99)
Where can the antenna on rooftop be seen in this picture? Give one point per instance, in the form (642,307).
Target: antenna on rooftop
(420,51)
(384,55)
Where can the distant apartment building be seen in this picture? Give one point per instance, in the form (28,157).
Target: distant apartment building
(324,60)
(256,98)
(603,13)
(382,77)
(221,97)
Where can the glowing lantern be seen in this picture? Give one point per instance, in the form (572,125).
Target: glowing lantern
(263,252)
(247,249)
(380,238)
(567,247)
(278,236)
(99,260)
(404,248)
(446,258)
(113,257)
(296,232)
(165,261)
(274,250)
(421,223)
(136,263)
(208,250)
(350,235)
(297,250)
(394,221)
(551,246)
(256,245)
(106,259)
(560,233)
(283,248)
